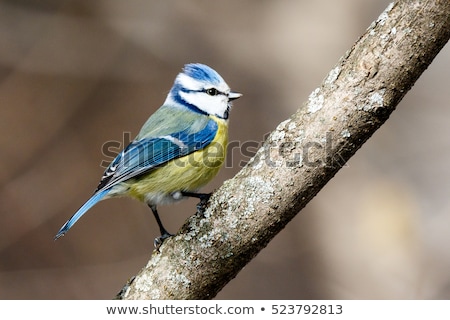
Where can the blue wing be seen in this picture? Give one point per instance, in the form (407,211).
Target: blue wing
(142,156)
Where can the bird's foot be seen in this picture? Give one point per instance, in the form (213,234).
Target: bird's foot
(204,198)
(159,240)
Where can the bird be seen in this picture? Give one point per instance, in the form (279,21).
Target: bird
(179,149)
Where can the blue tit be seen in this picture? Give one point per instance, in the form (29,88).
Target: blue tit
(179,149)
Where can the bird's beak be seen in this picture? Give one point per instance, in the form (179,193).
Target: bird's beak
(234,95)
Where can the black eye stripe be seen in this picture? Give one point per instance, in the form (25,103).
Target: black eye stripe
(209,91)
(213,92)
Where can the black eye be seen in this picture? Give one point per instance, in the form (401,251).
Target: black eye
(212,91)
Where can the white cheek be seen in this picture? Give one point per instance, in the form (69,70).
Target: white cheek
(216,105)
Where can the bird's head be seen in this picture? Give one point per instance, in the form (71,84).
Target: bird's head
(203,90)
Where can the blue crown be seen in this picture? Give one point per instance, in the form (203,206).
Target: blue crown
(202,72)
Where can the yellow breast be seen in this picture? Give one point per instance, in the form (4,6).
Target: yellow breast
(188,173)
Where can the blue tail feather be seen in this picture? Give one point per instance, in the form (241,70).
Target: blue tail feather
(89,204)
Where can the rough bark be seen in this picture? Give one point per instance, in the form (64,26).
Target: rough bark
(299,157)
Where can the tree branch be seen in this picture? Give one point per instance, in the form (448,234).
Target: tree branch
(299,157)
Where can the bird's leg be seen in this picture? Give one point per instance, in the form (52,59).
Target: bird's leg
(164,233)
(204,197)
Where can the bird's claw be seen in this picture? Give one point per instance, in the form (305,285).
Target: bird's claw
(204,198)
(159,240)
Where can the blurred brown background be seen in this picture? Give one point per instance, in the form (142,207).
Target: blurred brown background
(76,74)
